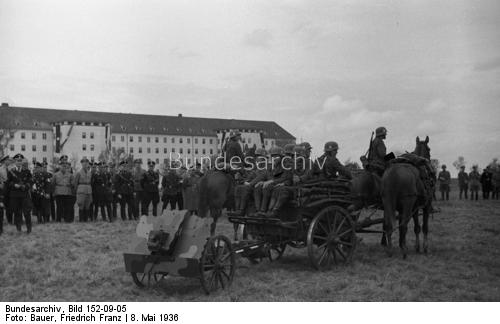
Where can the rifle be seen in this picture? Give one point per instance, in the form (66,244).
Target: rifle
(368,153)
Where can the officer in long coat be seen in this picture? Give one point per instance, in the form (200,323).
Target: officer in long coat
(378,151)
(83,185)
(444,178)
(138,174)
(150,182)
(124,187)
(42,188)
(474,178)
(234,155)
(171,186)
(3,180)
(463,182)
(101,190)
(112,196)
(19,182)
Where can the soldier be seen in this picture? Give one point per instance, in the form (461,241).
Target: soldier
(444,183)
(474,177)
(64,190)
(64,158)
(124,186)
(100,191)
(149,183)
(233,153)
(307,149)
(42,187)
(377,152)
(3,180)
(19,182)
(83,185)
(496,182)
(486,182)
(463,182)
(253,175)
(138,174)
(329,164)
(112,198)
(171,186)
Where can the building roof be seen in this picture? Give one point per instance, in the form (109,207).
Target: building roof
(43,119)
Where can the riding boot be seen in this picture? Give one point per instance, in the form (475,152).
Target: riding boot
(81,215)
(265,202)
(103,213)
(110,216)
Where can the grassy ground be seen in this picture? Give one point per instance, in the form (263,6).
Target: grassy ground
(83,262)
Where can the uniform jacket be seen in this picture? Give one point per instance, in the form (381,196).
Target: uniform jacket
(124,182)
(486,180)
(331,166)
(378,150)
(83,182)
(138,175)
(101,183)
(63,184)
(23,178)
(3,176)
(444,177)
(233,149)
(171,183)
(282,171)
(474,178)
(150,181)
(463,179)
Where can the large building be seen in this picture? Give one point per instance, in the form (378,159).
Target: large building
(45,134)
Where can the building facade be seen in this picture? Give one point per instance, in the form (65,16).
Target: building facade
(44,134)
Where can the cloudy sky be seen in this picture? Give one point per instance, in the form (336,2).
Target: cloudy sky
(324,70)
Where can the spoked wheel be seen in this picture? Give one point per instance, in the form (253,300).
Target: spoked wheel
(147,279)
(331,238)
(275,252)
(217,264)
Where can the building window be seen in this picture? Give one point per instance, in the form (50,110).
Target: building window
(272,143)
(265,142)
(188,140)
(157,150)
(45,159)
(164,140)
(180,150)
(33,135)
(44,136)
(218,141)
(157,160)
(131,150)
(165,161)
(249,140)
(84,135)
(202,141)
(203,152)
(91,135)
(189,161)
(173,149)
(140,149)
(189,151)
(44,148)
(33,148)
(84,147)
(113,138)
(211,141)
(91,147)
(211,151)
(91,159)
(11,147)
(140,139)
(23,135)
(131,138)
(148,139)
(123,138)
(165,150)
(149,150)
(195,151)
(180,140)
(157,139)
(173,140)
(23,147)
(196,141)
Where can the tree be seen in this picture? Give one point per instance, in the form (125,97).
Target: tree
(435,164)
(6,135)
(459,162)
(352,165)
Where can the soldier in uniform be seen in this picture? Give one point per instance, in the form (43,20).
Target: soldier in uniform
(474,178)
(444,178)
(83,185)
(486,182)
(19,182)
(101,191)
(329,165)
(149,183)
(124,188)
(463,182)
(42,187)
(256,174)
(64,190)
(233,154)
(377,152)
(138,174)
(3,180)
(171,186)
(496,182)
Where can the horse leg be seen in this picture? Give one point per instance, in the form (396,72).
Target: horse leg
(215,215)
(425,228)
(416,229)
(404,219)
(235,227)
(389,220)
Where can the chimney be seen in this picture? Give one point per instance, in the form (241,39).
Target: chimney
(179,115)
(4,104)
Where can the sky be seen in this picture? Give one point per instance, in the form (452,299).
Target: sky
(322,69)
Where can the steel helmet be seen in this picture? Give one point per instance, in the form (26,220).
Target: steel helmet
(331,146)
(288,149)
(260,152)
(306,145)
(233,134)
(276,150)
(380,131)
(299,150)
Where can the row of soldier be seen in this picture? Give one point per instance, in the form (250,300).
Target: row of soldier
(488,182)
(95,187)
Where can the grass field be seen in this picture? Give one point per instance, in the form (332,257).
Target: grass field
(83,262)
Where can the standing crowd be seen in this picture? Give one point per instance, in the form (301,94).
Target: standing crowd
(95,188)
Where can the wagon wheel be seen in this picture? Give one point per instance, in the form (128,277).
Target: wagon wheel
(275,252)
(147,279)
(331,238)
(217,264)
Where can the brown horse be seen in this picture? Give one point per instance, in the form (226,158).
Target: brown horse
(403,191)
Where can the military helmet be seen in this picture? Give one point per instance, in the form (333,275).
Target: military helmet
(443,166)
(306,145)
(288,149)
(18,156)
(84,160)
(300,150)
(380,131)
(260,152)
(331,146)
(276,150)
(233,134)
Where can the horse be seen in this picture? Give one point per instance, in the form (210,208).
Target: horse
(403,190)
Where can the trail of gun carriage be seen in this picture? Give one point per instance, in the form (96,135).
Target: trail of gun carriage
(276,226)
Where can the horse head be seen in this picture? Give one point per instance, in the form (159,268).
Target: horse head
(422,148)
